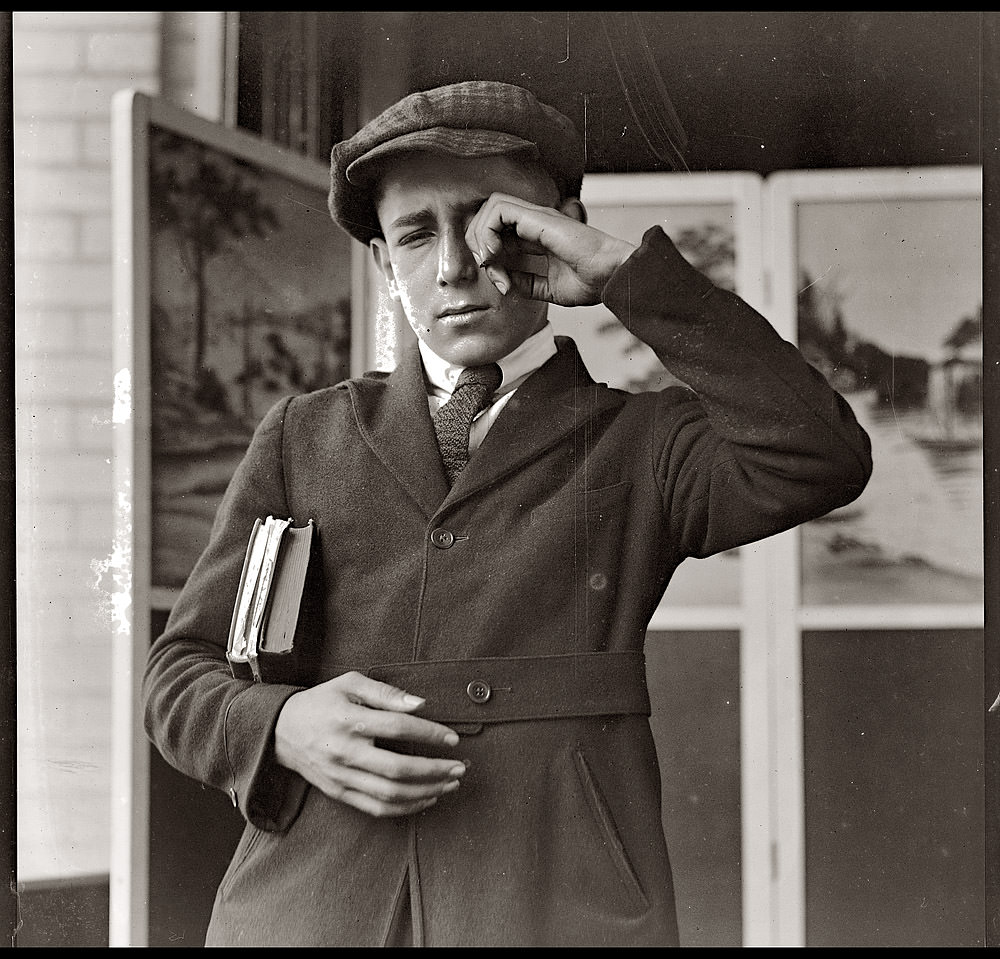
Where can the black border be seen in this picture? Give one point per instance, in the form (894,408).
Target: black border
(8,631)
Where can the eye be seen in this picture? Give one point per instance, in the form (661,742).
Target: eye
(414,237)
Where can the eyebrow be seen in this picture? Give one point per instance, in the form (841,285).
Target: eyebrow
(411,219)
(419,217)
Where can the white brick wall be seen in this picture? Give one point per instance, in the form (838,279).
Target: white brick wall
(67,65)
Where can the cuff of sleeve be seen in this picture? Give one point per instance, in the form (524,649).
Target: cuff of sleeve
(668,281)
(268,794)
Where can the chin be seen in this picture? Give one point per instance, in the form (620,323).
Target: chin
(475,352)
(476,358)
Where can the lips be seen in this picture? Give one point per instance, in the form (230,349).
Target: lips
(462,311)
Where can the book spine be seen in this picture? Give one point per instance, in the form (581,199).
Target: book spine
(275,530)
(244,595)
(281,616)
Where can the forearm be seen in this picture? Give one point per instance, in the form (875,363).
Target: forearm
(757,388)
(763,442)
(216,729)
(210,726)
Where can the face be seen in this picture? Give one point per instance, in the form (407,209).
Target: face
(425,205)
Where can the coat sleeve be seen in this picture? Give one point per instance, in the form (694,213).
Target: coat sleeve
(208,725)
(759,441)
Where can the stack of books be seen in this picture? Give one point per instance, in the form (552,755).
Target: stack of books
(262,633)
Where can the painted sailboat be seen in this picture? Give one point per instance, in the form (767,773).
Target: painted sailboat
(953,422)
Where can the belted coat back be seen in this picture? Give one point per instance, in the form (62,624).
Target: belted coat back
(535,577)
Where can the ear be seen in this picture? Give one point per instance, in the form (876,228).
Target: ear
(380,253)
(573,206)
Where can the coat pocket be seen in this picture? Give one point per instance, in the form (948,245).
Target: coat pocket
(605,823)
(601,503)
(244,848)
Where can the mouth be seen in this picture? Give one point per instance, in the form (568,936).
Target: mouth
(462,313)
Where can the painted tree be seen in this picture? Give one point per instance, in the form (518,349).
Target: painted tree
(209,203)
(708,247)
(969,329)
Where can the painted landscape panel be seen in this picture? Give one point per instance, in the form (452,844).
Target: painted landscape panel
(890,307)
(250,301)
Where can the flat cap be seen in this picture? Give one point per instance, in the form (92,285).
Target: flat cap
(469,119)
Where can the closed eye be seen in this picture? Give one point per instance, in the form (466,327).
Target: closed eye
(416,236)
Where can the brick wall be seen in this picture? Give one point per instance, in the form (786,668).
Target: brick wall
(67,66)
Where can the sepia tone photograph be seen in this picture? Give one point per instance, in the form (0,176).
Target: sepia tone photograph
(633,372)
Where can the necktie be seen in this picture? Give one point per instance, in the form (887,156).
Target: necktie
(453,421)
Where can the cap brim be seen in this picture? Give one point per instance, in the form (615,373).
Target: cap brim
(463,143)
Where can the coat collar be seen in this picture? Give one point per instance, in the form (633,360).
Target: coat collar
(394,418)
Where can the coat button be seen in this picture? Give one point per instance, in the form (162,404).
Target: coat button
(443,538)
(478,691)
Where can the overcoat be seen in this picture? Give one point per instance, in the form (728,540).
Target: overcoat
(532,578)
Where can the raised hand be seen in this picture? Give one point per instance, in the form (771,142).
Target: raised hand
(544,253)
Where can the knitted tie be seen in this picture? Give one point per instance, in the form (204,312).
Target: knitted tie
(453,421)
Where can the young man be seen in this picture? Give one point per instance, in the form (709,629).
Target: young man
(468,759)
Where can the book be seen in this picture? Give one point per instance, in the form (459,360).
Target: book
(268,602)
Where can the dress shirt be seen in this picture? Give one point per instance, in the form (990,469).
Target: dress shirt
(516,367)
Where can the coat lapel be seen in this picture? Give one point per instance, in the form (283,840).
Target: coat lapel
(395,420)
(551,403)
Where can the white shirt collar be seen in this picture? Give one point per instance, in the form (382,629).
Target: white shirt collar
(516,366)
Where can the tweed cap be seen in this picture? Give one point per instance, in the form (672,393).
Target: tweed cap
(469,119)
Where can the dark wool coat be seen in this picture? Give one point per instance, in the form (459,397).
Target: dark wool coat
(557,540)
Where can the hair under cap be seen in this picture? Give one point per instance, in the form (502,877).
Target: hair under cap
(469,119)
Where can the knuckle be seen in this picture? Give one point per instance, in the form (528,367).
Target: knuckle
(398,770)
(380,794)
(386,692)
(338,752)
(395,794)
(334,790)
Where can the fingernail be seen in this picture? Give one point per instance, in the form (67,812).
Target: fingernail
(457,771)
(501,286)
(413,700)
(451,739)
(478,258)
(450,787)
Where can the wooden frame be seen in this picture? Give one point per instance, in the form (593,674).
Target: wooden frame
(233,287)
(786,194)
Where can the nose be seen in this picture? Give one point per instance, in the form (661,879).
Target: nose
(455,262)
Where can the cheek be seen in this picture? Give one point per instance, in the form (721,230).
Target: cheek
(414,315)
(404,293)
(405,284)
